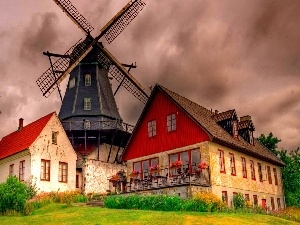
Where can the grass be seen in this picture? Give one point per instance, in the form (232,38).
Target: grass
(61,214)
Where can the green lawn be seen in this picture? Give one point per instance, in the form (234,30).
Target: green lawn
(60,214)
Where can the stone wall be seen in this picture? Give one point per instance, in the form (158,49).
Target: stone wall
(96,171)
(227,182)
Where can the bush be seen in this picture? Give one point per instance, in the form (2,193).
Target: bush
(207,202)
(13,196)
(239,201)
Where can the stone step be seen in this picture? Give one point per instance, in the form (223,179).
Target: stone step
(95,203)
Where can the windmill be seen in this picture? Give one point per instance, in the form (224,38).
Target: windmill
(89,112)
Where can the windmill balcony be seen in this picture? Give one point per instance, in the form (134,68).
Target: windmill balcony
(157,180)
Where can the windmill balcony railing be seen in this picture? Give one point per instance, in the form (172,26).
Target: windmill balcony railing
(97,125)
(163,178)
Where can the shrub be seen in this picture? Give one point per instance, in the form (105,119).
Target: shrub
(207,202)
(239,201)
(13,195)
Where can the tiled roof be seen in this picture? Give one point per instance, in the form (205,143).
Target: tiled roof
(22,139)
(204,118)
(223,115)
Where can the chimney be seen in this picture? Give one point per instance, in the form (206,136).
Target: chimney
(20,124)
(245,118)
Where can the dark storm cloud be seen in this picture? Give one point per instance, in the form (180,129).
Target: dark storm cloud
(41,34)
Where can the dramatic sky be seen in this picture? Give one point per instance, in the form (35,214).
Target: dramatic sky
(242,55)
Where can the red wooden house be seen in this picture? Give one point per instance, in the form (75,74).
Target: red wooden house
(181,147)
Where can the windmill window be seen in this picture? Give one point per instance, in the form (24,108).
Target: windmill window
(171,122)
(87,125)
(152,128)
(72,83)
(87,104)
(87,80)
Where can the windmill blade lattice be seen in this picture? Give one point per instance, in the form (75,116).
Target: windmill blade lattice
(74,15)
(110,63)
(120,21)
(62,67)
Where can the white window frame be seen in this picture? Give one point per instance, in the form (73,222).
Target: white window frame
(171,122)
(88,80)
(87,104)
(152,128)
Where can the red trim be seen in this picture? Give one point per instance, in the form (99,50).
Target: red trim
(232,164)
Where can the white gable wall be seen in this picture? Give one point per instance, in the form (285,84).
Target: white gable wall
(43,148)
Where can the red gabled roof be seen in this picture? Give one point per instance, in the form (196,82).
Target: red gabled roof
(22,139)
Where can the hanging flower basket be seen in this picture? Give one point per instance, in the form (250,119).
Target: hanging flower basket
(115,177)
(176,164)
(202,166)
(134,173)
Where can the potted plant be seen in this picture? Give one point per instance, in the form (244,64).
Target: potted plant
(176,164)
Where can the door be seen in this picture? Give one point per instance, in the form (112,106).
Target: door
(264,204)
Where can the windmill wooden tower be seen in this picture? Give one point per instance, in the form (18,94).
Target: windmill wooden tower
(89,112)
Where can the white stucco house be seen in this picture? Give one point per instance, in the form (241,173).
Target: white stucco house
(39,152)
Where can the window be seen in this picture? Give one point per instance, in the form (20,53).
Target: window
(63,172)
(247,197)
(255,201)
(87,125)
(77,181)
(45,170)
(275,176)
(144,166)
(87,80)
(251,139)
(72,83)
(278,203)
(252,170)
(21,170)
(222,161)
(225,197)
(244,167)
(269,175)
(232,164)
(171,122)
(87,104)
(190,160)
(152,128)
(235,129)
(54,137)
(272,203)
(260,172)
(11,170)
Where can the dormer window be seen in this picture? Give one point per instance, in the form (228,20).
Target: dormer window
(251,139)
(87,80)
(235,130)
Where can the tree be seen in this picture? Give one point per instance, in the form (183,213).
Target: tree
(290,173)
(270,142)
